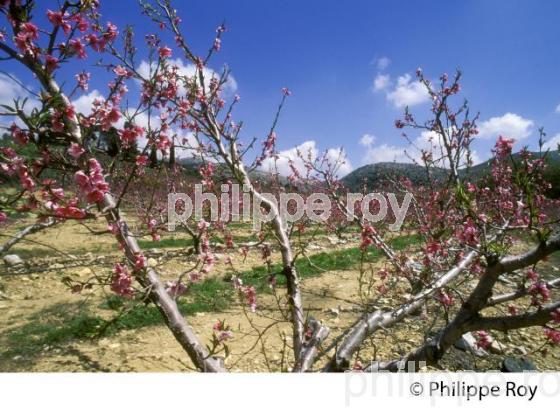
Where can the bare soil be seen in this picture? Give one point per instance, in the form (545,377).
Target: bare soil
(37,306)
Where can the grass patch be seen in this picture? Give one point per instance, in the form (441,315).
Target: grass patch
(165,243)
(67,322)
(55,325)
(316,264)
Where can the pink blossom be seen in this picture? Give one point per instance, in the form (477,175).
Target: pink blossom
(225,335)
(484,339)
(78,48)
(83,79)
(207,173)
(503,147)
(539,289)
(81,23)
(383,274)
(24,40)
(105,114)
(130,135)
(164,52)
(202,225)
(114,229)
(121,282)
(75,150)
(358,366)
(96,43)
(25,179)
(121,71)
(30,30)
(111,33)
(445,298)
(20,136)
(92,185)
(3,217)
(57,19)
(217,44)
(552,335)
(51,63)
(142,160)
(532,275)
(556,315)
(513,310)
(175,288)
(163,143)
(248,292)
(468,234)
(140,262)
(70,212)
(367,236)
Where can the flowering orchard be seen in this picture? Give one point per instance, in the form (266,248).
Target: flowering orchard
(121,158)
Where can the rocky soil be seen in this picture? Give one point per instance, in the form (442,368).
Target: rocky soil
(46,327)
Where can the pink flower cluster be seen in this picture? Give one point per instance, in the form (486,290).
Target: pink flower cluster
(83,79)
(121,282)
(92,185)
(552,335)
(468,233)
(367,238)
(175,288)
(130,135)
(104,114)
(207,173)
(446,299)
(539,293)
(20,136)
(24,39)
(75,150)
(503,147)
(58,19)
(484,340)
(248,292)
(224,332)
(98,42)
(140,262)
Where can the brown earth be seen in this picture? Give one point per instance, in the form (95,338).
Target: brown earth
(37,307)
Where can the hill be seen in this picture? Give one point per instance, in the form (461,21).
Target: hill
(374,175)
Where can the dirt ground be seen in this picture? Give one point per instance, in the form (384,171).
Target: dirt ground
(42,322)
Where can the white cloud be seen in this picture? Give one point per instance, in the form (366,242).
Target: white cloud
(381,82)
(338,156)
(428,141)
(367,140)
(385,153)
(508,125)
(308,149)
(407,92)
(189,70)
(557,110)
(10,90)
(383,62)
(84,103)
(552,144)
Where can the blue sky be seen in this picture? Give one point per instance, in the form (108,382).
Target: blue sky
(329,54)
